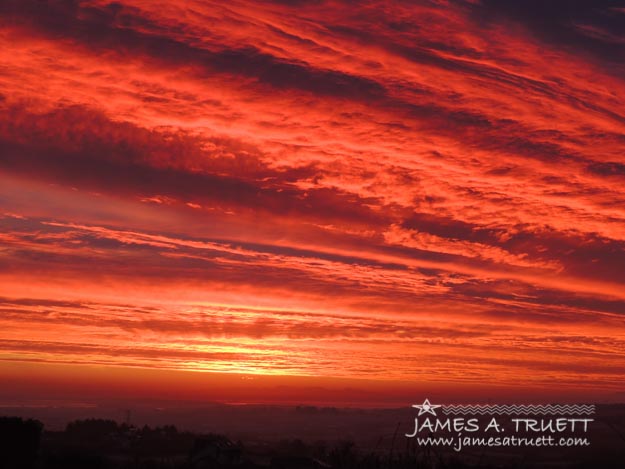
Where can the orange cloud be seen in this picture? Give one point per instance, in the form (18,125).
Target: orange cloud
(282,190)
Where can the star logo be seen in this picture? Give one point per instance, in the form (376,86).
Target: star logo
(426,408)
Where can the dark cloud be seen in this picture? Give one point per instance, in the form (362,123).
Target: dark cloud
(95,29)
(612,168)
(563,22)
(124,159)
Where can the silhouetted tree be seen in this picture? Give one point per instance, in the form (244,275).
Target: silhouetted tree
(19,442)
(92,428)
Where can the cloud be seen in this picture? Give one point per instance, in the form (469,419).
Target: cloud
(312,188)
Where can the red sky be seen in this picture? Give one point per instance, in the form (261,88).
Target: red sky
(397,194)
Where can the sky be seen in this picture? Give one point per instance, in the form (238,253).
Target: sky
(341,197)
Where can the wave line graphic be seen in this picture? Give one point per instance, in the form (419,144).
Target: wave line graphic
(545,409)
